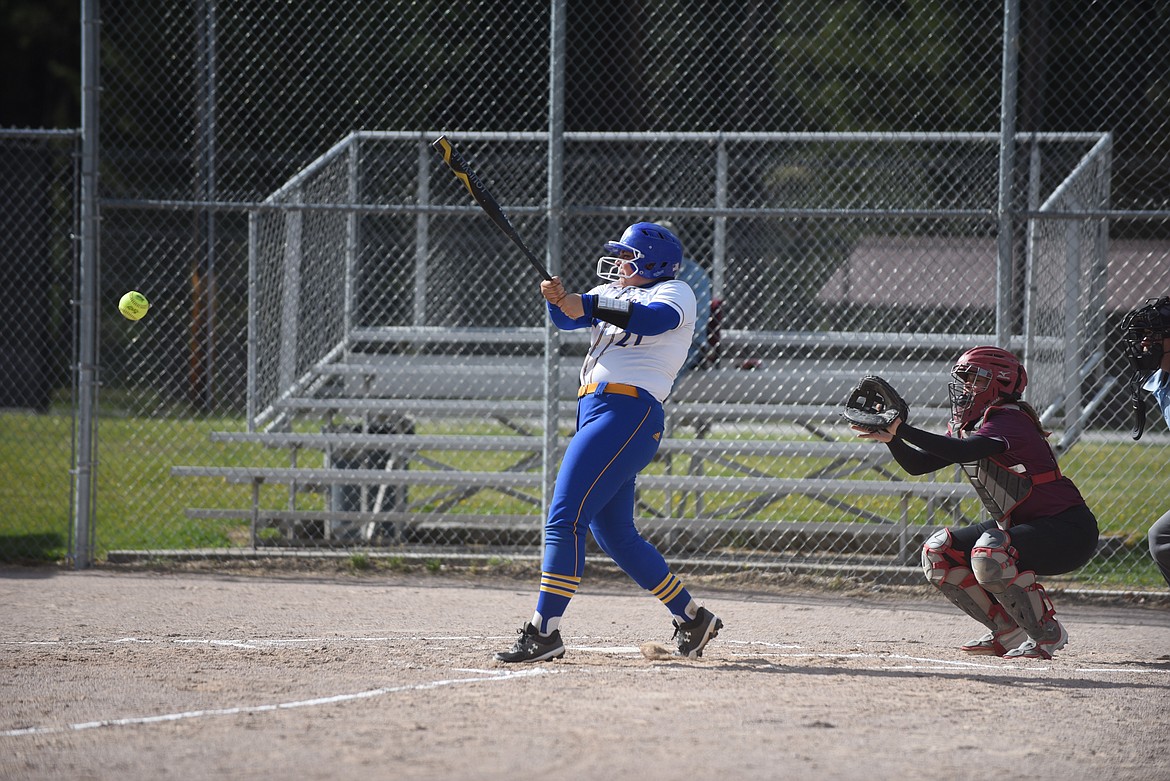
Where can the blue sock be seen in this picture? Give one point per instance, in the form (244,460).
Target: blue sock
(553,600)
(675,596)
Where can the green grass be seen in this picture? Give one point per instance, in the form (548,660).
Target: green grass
(138,505)
(35,486)
(1130,568)
(133,485)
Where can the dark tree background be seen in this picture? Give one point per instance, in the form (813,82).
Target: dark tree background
(1086,65)
(291,78)
(40,57)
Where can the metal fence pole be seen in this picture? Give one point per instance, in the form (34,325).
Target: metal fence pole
(1007,167)
(81,544)
(719,250)
(250,409)
(204,392)
(422,226)
(556,155)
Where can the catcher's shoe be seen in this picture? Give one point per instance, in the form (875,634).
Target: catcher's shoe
(694,635)
(532,646)
(1041,649)
(996,643)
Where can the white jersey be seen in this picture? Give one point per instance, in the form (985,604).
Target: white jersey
(649,362)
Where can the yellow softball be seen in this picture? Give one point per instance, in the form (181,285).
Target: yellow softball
(133,305)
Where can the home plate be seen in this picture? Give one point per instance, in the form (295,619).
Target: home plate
(655,651)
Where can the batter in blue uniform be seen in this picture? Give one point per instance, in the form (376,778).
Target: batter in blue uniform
(642,320)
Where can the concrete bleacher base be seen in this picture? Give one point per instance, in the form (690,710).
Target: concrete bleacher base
(674,536)
(447,556)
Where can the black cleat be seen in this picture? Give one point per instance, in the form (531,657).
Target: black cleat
(693,636)
(531,646)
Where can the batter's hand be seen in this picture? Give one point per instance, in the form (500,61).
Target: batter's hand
(569,303)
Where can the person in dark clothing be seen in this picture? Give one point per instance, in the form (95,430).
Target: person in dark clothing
(1146,331)
(1039,523)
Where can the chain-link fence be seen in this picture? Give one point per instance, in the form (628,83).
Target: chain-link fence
(38,217)
(343,353)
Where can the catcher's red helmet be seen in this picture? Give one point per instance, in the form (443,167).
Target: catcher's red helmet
(982,376)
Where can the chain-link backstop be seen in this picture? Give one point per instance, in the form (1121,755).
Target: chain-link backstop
(344,354)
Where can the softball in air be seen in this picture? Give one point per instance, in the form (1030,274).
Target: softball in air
(133,305)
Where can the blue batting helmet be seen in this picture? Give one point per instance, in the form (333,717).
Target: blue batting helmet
(650,249)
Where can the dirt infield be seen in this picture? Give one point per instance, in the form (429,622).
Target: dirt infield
(188,676)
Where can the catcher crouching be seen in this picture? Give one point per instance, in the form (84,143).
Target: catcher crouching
(1038,521)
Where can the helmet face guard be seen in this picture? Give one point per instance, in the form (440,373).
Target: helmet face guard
(971,393)
(646,249)
(618,258)
(983,376)
(1144,331)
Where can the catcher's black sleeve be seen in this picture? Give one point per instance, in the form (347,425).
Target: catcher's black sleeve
(914,461)
(932,452)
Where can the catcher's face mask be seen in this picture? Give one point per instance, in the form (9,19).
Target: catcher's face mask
(970,392)
(983,376)
(1145,331)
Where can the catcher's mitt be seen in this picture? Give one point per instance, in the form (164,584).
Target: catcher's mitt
(873,404)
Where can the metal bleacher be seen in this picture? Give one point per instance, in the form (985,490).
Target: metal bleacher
(390,418)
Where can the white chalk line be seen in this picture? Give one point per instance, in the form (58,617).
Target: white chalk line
(771,649)
(921,664)
(482,676)
(255,643)
(251,644)
(929,663)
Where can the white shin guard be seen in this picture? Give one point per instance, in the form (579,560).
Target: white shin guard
(959,584)
(994,563)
